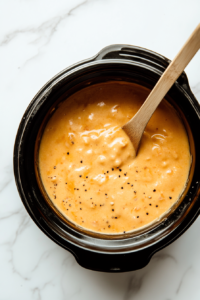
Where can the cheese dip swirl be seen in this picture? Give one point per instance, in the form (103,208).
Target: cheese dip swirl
(88,165)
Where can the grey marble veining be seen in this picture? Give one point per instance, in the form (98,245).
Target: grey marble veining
(37,40)
(41,34)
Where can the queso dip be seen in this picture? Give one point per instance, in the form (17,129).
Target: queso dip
(88,166)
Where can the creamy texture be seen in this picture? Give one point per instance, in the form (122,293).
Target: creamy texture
(88,165)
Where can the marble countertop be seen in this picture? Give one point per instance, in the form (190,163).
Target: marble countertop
(37,40)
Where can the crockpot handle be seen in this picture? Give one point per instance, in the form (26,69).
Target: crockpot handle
(141,55)
(112,263)
(134,53)
(110,52)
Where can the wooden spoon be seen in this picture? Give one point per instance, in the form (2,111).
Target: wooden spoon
(135,127)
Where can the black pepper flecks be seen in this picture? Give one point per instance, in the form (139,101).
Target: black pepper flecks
(67,153)
(81,161)
(54,167)
(93,205)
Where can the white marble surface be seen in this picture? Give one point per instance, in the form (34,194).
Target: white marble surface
(38,39)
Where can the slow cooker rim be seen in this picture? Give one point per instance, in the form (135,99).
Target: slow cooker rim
(65,71)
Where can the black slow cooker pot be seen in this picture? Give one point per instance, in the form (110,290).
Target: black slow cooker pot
(96,251)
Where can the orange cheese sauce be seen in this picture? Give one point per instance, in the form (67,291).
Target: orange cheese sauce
(88,165)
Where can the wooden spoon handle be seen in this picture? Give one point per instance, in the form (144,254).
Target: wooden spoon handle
(165,82)
(170,75)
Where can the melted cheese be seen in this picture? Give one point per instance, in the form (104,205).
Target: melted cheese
(88,165)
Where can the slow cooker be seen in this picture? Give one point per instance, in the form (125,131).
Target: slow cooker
(94,251)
